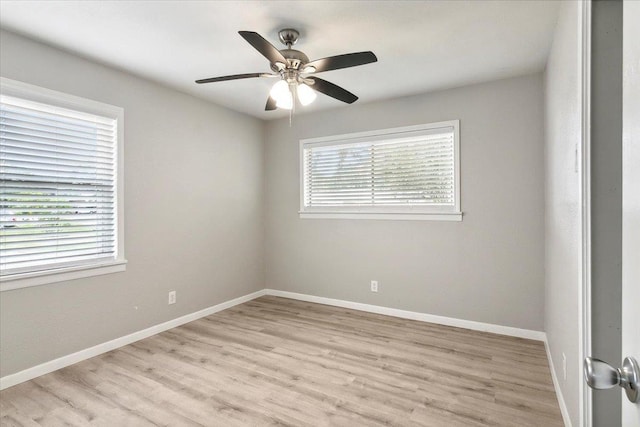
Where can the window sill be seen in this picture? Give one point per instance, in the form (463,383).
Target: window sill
(411,216)
(25,280)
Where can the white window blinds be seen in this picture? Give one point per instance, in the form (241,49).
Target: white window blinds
(57,187)
(393,171)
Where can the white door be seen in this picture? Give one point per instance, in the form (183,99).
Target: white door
(631,196)
(599,374)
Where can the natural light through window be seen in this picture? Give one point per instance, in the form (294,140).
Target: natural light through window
(401,173)
(58,186)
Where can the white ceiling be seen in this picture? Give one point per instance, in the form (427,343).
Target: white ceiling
(421,45)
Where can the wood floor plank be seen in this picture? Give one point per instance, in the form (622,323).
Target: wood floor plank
(277,361)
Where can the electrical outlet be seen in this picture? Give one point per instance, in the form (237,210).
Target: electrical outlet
(374,286)
(564,366)
(172,297)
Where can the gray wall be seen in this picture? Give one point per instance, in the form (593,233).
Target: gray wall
(193,213)
(562,205)
(606,199)
(487,268)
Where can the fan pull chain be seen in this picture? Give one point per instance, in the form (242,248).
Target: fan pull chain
(295,101)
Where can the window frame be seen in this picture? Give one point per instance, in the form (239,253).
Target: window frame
(34,93)
(414,212)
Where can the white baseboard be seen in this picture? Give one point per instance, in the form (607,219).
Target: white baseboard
(423,317)
(61,362)
(556,385)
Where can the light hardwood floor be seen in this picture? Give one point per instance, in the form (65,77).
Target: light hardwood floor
(276,361)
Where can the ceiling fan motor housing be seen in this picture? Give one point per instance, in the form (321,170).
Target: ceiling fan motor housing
(294,58)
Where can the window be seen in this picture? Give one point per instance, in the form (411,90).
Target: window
(60,186)
(401,173)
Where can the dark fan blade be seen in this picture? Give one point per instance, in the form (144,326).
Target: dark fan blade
(232,77)
(267,50)
(332,90)
(342,61)
(271,104)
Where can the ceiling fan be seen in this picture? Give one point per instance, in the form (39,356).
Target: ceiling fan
(296,72)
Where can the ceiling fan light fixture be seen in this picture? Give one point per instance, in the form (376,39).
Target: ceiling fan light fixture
(279,90)
(286,103)
(306,95)
(281,93)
